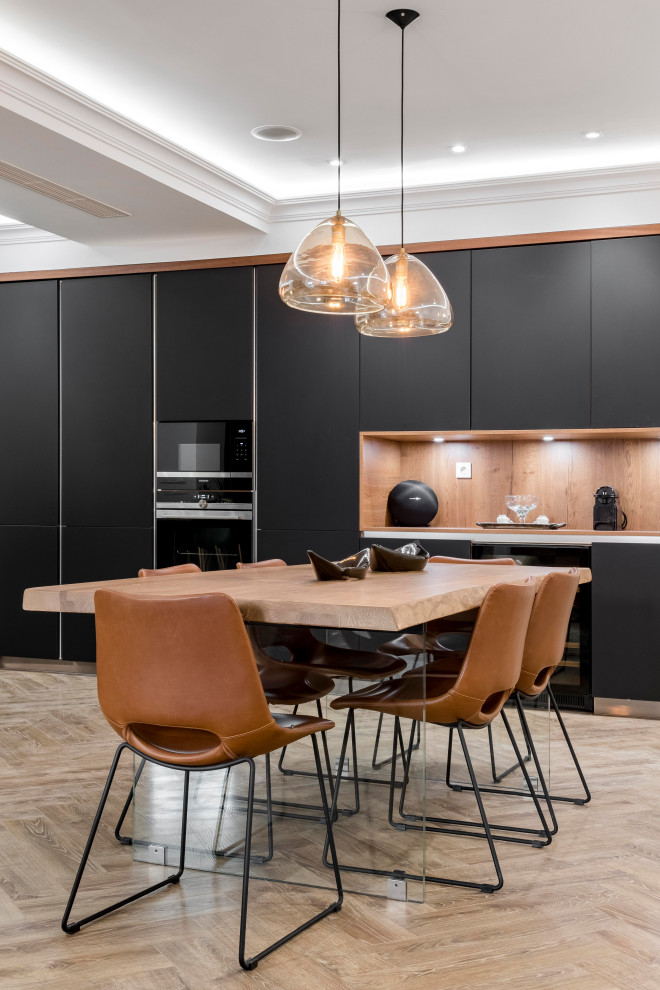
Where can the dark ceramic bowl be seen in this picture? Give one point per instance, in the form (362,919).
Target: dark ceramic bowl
(410,557)
(339,570)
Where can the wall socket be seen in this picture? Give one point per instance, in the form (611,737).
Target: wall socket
(463,469)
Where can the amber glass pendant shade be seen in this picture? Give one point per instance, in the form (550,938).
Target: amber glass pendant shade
(418,305)
(335,270)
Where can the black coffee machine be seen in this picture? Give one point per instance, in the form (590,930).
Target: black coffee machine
(607,511)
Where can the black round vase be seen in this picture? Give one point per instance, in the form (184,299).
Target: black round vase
(412,503)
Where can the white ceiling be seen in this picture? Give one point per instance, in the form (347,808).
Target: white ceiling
(148,104)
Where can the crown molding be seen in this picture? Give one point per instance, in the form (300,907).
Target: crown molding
(60,107)
(483,192)
(22,233)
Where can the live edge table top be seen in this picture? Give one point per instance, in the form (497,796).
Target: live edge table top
(292,595)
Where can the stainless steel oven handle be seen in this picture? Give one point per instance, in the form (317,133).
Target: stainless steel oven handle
(209,515)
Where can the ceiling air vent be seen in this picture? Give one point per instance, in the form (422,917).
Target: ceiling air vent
(54,191)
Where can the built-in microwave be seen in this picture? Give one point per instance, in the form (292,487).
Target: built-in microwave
(212,450)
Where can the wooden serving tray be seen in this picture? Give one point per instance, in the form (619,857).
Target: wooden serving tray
(512,525)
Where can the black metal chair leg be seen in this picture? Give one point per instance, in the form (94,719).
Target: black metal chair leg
(338,779)
(462,826)
(127,840)
(499,777)
(428,878)
(252,962)
(530,787)
(482,813)
(587,792)
(70,928)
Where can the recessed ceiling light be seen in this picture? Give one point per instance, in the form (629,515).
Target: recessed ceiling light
(548,438)
(438,439)
(336,162)
(459,148)
(276,132)
(592,135)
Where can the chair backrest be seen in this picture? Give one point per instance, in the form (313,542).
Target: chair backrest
(493,659)
(546,634)
(273,562)
(175,569)
(180,662)
(470,560)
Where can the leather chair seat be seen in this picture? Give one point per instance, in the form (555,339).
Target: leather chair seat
(293,687)
(200,747)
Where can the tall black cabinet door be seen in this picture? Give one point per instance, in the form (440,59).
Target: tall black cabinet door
(204,344)
(626,332)
(624,614)
(29,556)
(107,406)
(307,415)
(531,337)
(422,383)
(92,553)
(29,403)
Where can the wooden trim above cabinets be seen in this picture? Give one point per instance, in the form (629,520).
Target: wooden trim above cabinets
(464,244)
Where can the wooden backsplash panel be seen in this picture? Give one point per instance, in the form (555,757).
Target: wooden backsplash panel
(564,474)
(380,471)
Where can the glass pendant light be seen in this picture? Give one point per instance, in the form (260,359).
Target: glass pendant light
(336,269)
(417,305)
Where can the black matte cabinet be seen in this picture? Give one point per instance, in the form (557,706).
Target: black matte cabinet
(204,335)
(307,415)
(29,445)
(93,553)
(531,337)
(291,546)
(625,627)
(626,332)
(422,383)
(107,405)
(29,556)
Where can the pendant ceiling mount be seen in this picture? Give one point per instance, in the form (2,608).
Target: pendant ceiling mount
(417,305)
(402,17)
(336,269)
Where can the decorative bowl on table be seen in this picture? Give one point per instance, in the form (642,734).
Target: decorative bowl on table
(409,557)
(340,570)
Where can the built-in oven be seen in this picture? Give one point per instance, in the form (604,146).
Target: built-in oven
(204,494)
(571,682)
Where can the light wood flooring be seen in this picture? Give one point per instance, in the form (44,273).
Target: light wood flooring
(583,913)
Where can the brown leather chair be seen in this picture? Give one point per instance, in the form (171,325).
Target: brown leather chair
(545,644)
(174,569)
(178,683)
(469,699)
(273,562)
(418,645)
(281,686)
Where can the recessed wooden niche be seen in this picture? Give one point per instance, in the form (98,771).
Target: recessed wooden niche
(564,473)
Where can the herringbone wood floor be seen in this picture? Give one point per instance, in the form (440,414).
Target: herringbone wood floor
(584,913)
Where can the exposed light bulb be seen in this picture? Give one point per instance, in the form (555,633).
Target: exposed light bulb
(338,264)
(401,281)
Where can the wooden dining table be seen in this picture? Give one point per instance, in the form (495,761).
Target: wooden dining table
(383,600)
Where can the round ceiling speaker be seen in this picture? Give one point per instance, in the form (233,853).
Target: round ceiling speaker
(276,132)
(412,503)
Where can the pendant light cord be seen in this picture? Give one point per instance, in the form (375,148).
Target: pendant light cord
(338,106)
(403,33)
